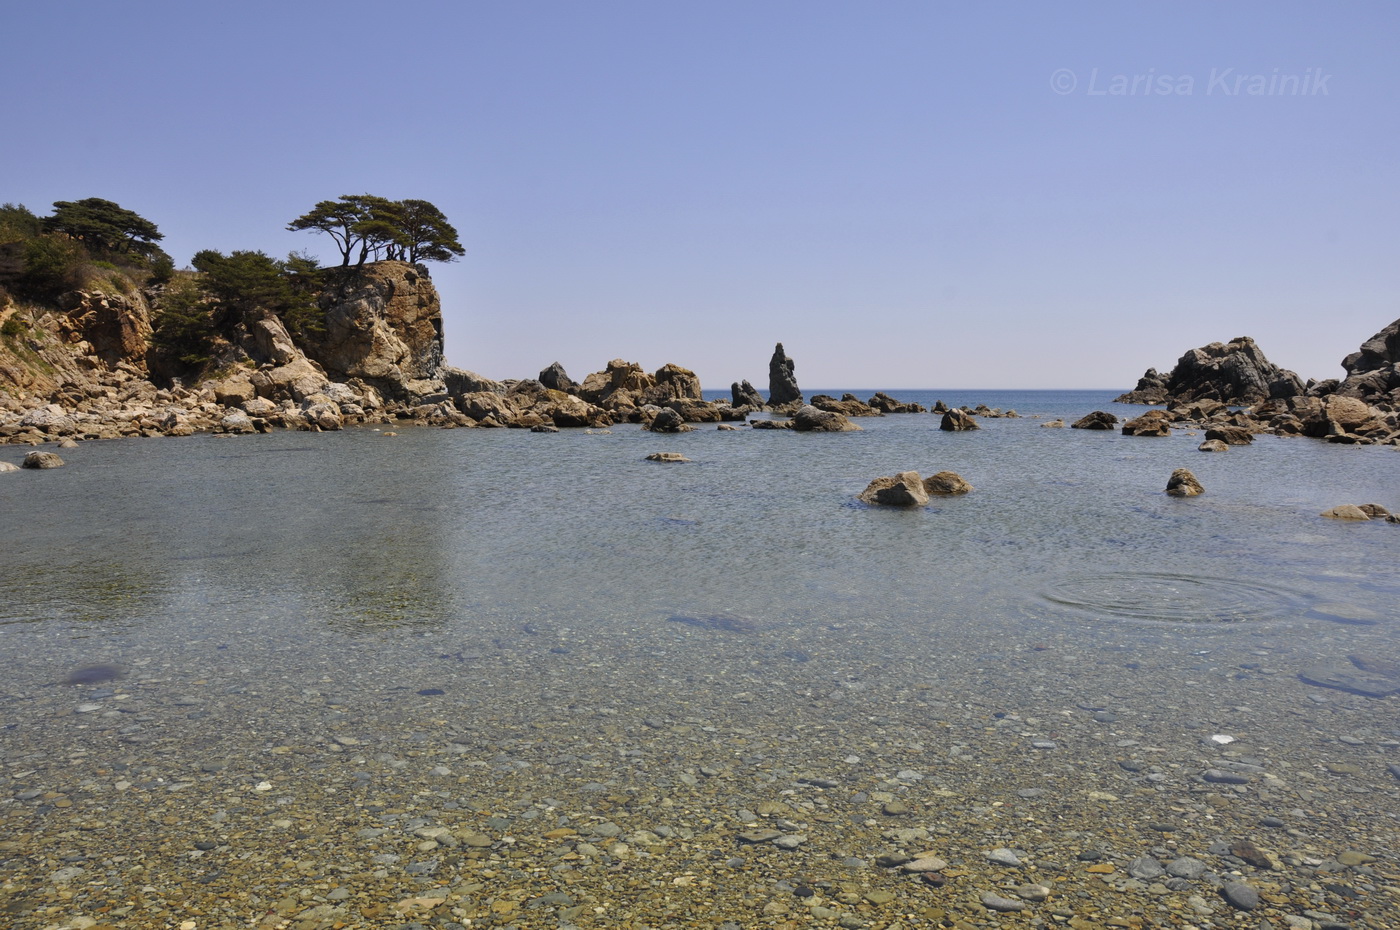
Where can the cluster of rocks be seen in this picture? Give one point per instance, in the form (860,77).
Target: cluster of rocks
(1361,512)
(1363,408)
(908,489)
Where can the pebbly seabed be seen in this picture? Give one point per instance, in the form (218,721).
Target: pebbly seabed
(437,679)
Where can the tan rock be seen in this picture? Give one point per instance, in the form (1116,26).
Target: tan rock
(903,490)
(1184,484)
(946,483)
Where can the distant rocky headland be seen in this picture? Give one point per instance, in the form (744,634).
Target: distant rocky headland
(101,338)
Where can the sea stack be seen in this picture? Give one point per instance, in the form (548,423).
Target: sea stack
(782,383)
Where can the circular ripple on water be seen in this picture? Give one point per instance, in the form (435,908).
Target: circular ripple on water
(1154,597)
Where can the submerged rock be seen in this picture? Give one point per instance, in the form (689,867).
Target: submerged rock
(1184,484)
(667,457)
(1346,512)
(903,490)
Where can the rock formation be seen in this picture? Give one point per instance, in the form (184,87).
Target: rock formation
(1373,371)
(557,379)
(782,382)
(849,405)
(1151,423)
(1184,484)
(809,419)
(947,483)
(1235,373)
(1099,419)
(903,490)
(956,421)
(887,404)
(743,394)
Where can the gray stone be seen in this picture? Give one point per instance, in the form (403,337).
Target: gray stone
(41,459)
(782,381)
(1240,895)
(994,902)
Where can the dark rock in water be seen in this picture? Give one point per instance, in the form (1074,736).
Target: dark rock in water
(1184,484)
(669,421)
(1352,680)
(887,404)
(946,483)
(1151,423)
(811,420)
(93,674)
(903,490)
(1151,389)
(1234,372)
(957,421)
(771,424)
(729,623)
(782,382)
(744,394)
(849,405)
(1231,435)
(1099,419)
(556,379)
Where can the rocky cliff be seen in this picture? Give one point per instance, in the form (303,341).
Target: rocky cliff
(1373,371)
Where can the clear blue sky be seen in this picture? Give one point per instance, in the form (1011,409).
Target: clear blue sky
(906,194)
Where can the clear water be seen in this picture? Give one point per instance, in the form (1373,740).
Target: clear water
(526,601)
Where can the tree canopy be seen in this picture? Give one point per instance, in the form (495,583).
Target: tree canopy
(104,226)
(409,230)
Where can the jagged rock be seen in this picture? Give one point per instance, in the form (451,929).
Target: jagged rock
(40,459)
(809,419)
(887,404)
(384,325)
(272,344)
(672,382)
(556,379)
(849,405)
(458,381)
(668,421)
(1151,389)
(1151,423)
(1346,512)
(1235,372)
(1212,445)
(903,490)
(743,394)
(782,380)
(1099,419)
(117,327)
(1230,435)
(947,483)
(955,420)
(1373,371)
(1184,484)
(619,385)
(667,457)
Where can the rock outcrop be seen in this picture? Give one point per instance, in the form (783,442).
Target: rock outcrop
(809,419)
(557,379)
(849,405)
(782,380)
(384,326)
(1234,372)
(887,404)
(1151,423)
(956,421)
(1099,419)
(1373,371)
(1184,484)
(905,489)
(744,394)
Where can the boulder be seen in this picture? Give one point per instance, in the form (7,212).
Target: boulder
(8,466)
(668,421)
(1346,512)
(771,424)
(1151,389)
(486,407)
(272,344)
(325,415)
(886,404)
(1230,435)
(809,419)
(1151,423)
(1184,484)
(51,419)
(1374,511)
(946,483)
(903,490)
(743,394)
(1053,424)
(1234,372)
(40,459)
(1099,419)
(557,379)
(667,457)
(1373,371)
(697,411)
(849,405)
(458,381)
(237,422)
(955,421)
(619,385)
(234,392)
(672,382)
(782,380)
(1212,445)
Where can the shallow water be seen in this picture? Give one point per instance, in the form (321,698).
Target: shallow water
(473,587)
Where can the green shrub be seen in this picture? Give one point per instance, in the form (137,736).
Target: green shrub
(13,328)
(52,265)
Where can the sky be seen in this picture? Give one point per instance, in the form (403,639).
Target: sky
(905,194)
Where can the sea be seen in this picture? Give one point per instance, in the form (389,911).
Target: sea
(209,612)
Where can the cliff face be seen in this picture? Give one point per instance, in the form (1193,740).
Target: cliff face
(1373,371)
(383,326)
(89,334)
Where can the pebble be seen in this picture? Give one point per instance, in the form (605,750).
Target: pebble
(995,902)
(1187,868)
(1241,895)
(1216,776)
(1044,744)
(925,864)
(1146,868)
(1003,856)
